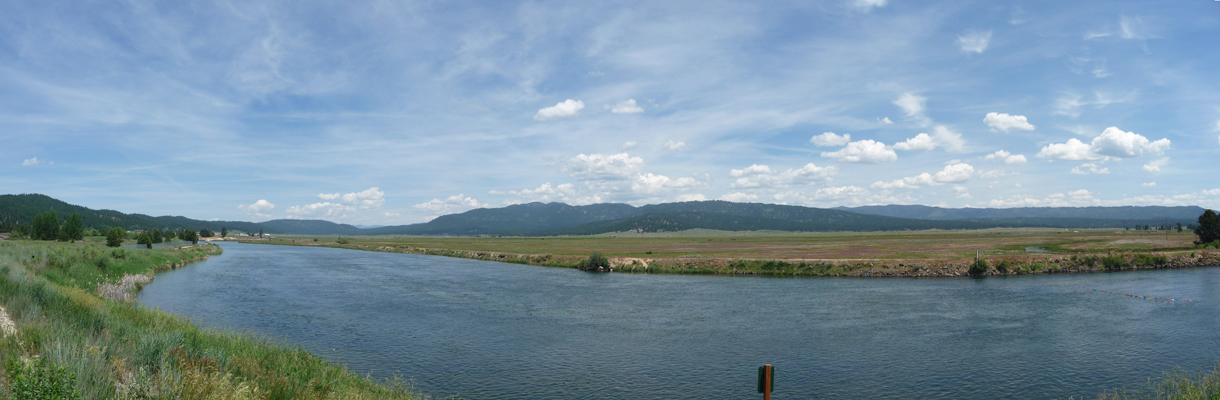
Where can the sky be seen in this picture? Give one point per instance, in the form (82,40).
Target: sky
(396,112)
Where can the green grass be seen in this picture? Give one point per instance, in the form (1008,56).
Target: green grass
(1177,384)
(117,350)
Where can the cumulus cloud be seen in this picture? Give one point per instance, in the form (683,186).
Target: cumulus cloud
(953,173)
(1074,198)
(914,107)
(324,209)
(1090,169)
(32,162)
(673,146)
(1007,123)
(885,121)
(864,151)
(601,167)
(1155,165)
(545,193)
(1007,157)
(1113,142)
(830,139)
(843,195)
(456,203)
(1148,184)
(260,208)
(974,41)
(739,197)
(920,142)
(995,173)
(567,108)
(369,198)
(628,145)
(623,107)
(762,176)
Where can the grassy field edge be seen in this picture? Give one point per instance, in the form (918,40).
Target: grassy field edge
(57,327)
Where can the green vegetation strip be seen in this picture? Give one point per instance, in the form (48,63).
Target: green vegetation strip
(61,337)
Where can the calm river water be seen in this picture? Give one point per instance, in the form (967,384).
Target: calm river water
(485,330)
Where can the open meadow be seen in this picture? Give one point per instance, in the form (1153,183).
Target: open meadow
(907,253)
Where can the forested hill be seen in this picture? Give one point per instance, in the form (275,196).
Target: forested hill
(563,219)
(1149,213)
(21,208)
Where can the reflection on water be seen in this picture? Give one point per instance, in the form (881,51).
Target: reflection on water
(485,330)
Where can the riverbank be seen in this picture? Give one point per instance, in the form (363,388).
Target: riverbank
(68,312)
(1023,263)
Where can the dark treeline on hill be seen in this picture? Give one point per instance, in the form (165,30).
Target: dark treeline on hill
(1146,213)
(562,219)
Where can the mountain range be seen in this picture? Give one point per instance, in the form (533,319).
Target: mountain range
(545,219)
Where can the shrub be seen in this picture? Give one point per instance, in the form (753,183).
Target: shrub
(979,267)
(596,262)
(1003,266)
(38,380)
(1146,259)
(1114,262)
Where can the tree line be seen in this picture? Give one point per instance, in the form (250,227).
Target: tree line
(47,226)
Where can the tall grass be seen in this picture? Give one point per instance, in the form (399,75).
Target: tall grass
(116,350)
(1177,384)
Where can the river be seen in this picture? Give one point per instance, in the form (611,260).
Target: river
(487,330)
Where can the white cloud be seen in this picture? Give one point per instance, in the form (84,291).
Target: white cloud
(864,151)
(739,197)
(600,167)
(258,209)
(1070,104)
(649,183)
(319,210)
(674,146)
(1148,184)
(832,196)
(455,203)
(914,107)
(369,198)
(1113,142)
(1073,150)
(628,145)
(974,41)
(762,176)
(1007,123)
(920,142)
(567,108)
(948,139)
(692,197)
(1007,157)
(32,162)
(1155,165)
(955,173)
(545,193)
(1090,169)
(625,107)
(830,139)
(885,121)
(866,5)
(329,196)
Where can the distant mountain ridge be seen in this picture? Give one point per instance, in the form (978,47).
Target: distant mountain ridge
(545,219)
(1117,213)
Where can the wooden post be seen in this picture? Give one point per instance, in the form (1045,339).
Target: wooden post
(766,379)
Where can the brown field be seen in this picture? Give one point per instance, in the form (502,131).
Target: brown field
(913,245)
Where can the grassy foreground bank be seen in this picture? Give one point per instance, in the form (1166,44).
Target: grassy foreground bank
(68,326)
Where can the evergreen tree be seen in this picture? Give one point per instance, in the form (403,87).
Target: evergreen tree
(224,231)
(114,237)
(73,229)
(145,239)
(46,226)
(1209,227)
(156,236)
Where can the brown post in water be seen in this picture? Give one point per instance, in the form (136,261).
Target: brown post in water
(766,377)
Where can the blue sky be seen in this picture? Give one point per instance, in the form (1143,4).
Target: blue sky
(380,113)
